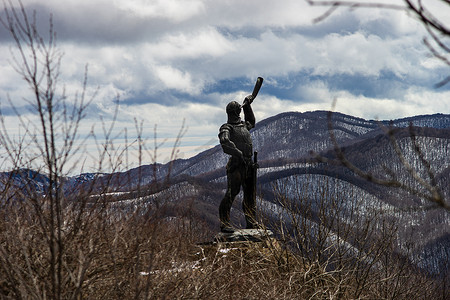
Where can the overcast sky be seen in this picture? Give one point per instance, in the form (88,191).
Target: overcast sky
(175,60)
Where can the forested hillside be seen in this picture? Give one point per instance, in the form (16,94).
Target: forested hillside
(321,209)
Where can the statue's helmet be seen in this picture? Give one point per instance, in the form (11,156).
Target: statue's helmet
(233,108)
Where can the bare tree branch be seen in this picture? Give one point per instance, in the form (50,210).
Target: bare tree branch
(417,9)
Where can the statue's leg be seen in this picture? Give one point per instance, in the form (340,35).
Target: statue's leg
(233,188)
(249,203)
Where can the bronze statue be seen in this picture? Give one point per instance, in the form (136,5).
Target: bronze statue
(236,141)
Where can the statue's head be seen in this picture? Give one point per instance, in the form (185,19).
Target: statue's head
(233,111)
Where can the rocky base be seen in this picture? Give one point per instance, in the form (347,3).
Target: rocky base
(244,235)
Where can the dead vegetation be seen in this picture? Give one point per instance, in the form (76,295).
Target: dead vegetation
(60,244)
(146,256)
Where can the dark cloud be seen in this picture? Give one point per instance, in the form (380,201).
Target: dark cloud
(166,98)
(386,85)
(250,32)
(93,24)
(36,14)
(115,28)
(230,85)
(348,22)
(340,24)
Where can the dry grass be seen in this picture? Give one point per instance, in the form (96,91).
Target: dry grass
(146,256)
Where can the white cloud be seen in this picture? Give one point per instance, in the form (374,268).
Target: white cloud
(176,10)
(416,103)
(207,42)
(177,80)
(360,54)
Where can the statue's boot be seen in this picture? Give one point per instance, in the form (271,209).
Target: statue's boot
(227,229)
(254,225)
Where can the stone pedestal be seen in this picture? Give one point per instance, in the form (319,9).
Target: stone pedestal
(244,235)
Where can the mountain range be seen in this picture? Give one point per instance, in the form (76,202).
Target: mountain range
(298,162)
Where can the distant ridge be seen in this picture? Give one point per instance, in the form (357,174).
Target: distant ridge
(287,144)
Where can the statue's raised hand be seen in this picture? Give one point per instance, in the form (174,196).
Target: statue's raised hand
(248,100)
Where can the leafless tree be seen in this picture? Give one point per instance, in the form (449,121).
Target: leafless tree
(54,242)
(437,42)
(351,239)
(52,140)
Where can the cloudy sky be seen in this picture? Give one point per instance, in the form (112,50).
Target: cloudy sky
(175,61)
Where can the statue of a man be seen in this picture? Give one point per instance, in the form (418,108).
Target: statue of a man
(235,140)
